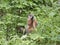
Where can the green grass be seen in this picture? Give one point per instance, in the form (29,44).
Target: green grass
(15,12)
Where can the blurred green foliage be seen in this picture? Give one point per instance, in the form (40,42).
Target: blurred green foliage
(15,12)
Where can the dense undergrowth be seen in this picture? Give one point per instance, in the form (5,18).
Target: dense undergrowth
(15,12)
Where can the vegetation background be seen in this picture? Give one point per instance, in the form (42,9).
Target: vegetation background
(15,12)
